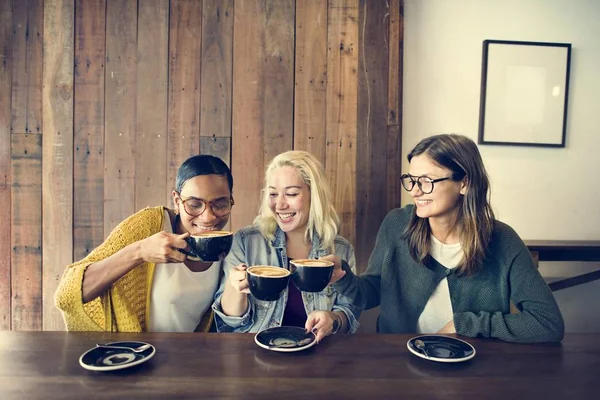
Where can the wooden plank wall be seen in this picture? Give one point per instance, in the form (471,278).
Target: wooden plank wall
(125,91)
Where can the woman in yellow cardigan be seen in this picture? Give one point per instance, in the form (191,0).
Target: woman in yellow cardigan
(138,280)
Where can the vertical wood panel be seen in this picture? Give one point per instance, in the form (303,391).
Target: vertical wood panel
(278,96)
(88,125)
(342,88)
(395,32)
(217,65)
(263,96)
(311,77)
(57,156)
(371,160)
(394,131)
(152,77)
(394,166)
(26,233)
(185,38)
(119,122)
(27,23)
(5,181)
(247,147)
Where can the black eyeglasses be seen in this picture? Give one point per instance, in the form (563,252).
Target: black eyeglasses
(194,206)
(424,183)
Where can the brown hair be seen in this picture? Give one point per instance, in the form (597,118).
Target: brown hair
(475,219)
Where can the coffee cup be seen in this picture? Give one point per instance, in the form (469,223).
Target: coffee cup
(311,275)
(267,282)
(209,246)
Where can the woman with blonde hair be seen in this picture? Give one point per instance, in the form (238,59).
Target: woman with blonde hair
(296,221)
(445,264)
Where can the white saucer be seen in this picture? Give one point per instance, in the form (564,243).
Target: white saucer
(103,359)
(285,339)
(442,348)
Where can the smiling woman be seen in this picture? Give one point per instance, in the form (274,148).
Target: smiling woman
(296,220)
(445,265)
(139,279)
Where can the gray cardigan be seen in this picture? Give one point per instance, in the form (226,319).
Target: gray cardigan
(481,303)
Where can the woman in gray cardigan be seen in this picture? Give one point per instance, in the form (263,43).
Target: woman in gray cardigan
(445,265)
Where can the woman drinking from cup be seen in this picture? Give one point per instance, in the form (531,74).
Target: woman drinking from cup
(139,279)
(445,264)
(296,221)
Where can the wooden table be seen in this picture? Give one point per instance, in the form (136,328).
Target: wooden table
(566,250)
(44,365)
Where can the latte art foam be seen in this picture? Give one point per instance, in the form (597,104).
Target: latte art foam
(312,263)
(211,234)
(268,271)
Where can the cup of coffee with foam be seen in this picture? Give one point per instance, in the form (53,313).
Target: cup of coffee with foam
(267,282)
(209,246)
(311,275)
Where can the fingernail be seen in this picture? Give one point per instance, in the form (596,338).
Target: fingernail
(313,330)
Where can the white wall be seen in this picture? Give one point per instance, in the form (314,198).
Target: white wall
(544,193)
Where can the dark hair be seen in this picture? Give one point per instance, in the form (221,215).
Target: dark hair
(202,164)
(460,155)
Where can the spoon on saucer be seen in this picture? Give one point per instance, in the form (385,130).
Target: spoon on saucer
(419,344)
(139,349)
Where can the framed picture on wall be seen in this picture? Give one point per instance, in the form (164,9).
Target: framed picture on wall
(524,93)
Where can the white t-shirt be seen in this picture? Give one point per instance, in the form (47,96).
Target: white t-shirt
(438,310)
(180,297)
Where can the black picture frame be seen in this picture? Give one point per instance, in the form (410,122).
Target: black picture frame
(524,93)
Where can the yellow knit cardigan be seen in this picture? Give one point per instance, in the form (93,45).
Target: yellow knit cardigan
(125,306)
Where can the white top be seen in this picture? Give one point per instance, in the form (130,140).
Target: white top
(180,297)
(438,310)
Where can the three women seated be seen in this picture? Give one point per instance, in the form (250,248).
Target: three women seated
(441,265)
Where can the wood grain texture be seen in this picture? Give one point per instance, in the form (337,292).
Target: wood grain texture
(342,93)
(217,70)
(5,178)
(311,77)
(263,96)
(371,160)
(120,116)
(185,39)
(278,84)
(232,366)
(151,101)
(247,147)
(88,125)
(27,28)
(393,153)
(57,154)
(395,52)
(26,235)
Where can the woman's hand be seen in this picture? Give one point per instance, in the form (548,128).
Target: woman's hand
(338,272)
(238,279)
(320,323)
(162,247)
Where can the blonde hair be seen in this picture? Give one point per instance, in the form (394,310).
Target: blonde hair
(322,219)
(475,219)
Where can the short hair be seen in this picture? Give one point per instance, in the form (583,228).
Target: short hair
(323,219)
(460,155)
(203,164)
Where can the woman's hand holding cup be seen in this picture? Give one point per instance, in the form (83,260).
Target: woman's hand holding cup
(238,279)
(162,247)
(338,272)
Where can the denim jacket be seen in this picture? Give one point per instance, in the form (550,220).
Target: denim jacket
(250,247)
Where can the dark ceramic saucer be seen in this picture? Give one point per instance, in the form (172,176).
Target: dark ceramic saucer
(105,359)
(285,339)
(442,348)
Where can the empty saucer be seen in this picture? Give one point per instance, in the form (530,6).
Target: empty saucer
(285,339)
(110,359)
(441,348)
